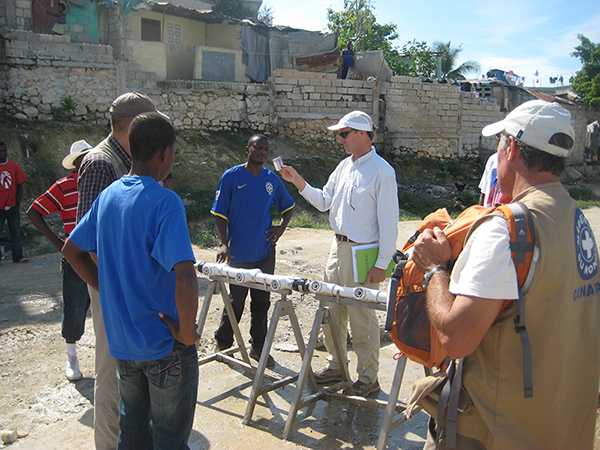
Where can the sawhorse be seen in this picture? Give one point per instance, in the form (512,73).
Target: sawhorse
(283,307)
(392,406)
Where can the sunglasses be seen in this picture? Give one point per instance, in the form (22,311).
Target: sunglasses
(345,134)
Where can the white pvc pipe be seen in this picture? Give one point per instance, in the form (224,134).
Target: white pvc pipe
(279,282)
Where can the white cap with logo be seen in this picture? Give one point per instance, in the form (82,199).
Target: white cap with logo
(534,123)
(357,120)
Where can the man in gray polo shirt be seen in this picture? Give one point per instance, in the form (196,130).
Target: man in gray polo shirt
(361,196)
(108,161)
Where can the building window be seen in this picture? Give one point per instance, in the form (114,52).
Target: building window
(151,30)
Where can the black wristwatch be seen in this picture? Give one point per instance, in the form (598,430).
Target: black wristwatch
(427,276)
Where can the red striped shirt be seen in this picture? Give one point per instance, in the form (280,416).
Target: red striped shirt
(60,198)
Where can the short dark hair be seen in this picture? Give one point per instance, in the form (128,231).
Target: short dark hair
(257,138)
(535,159)
(150,133)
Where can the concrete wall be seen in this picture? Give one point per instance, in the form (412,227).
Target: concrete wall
(436,119)
(223,36)
(42,72)
(149,56)
(39,73)
(314,95)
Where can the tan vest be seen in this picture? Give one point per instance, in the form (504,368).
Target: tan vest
(562,315)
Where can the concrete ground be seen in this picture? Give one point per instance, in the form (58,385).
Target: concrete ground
(51,413)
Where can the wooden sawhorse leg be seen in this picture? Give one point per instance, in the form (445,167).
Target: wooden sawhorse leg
(283,307)
(321,319)
(390,409)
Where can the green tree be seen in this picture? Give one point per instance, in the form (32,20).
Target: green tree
(448,56)
(356,22)
(416,60)
(586,82)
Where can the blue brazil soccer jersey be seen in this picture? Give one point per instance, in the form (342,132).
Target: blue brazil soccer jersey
(139,231)
(245,202)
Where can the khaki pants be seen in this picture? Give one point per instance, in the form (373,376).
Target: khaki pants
(106,391)
(363,321)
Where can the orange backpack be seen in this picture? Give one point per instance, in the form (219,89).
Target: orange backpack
(407,316)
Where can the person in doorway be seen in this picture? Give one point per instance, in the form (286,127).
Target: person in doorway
(61,198)
(361,196)
(242,209)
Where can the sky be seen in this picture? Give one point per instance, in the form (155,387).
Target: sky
(524,36)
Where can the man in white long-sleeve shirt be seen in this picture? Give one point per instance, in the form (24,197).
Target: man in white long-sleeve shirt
(362,198)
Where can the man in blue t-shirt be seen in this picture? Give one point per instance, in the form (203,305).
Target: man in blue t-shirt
(147,283)
(242,208)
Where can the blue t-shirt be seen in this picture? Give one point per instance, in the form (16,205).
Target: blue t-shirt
(139,231)
(245,201)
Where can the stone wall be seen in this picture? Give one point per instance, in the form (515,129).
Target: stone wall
(15,14)
(47,76)
(305,103)
(315,95)
(434,119)
(215,105)
(44,77)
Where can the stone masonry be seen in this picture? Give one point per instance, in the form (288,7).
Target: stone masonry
(44,77)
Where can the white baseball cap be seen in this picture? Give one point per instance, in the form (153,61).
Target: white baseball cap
(357,120)
(78,149)
(534,123)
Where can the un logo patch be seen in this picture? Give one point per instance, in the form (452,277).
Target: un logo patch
(585,245)
(269,187)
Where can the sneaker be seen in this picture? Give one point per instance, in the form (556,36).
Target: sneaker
(255,355)
(72,371)
(328,376)
(361,389)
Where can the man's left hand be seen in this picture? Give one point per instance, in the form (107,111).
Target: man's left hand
(275,233)
(431,249)
(375,275)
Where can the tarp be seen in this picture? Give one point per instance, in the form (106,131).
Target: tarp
(256,53)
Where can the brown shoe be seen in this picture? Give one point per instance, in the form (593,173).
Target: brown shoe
(361,389)
(328,376)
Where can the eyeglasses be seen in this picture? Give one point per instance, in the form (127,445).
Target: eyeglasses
(345,134)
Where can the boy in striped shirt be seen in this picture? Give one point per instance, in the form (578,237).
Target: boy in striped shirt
(62,198)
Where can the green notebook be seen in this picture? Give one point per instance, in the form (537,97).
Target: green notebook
(364,258)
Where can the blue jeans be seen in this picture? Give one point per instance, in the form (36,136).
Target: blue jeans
(158,400)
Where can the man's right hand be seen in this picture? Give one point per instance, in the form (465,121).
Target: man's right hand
(176,332)
(291,175)
(223,254)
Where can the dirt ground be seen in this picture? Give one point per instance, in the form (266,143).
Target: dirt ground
(51,413)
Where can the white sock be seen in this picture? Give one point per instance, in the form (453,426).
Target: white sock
(71,349)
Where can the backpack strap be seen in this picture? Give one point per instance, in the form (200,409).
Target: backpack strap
(522,245)
(447,413)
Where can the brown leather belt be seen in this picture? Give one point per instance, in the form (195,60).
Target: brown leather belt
(342,238)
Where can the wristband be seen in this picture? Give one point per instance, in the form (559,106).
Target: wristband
(429,274)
